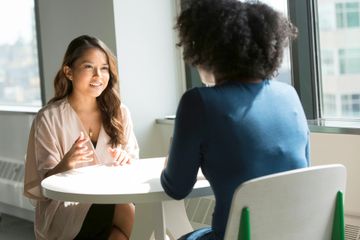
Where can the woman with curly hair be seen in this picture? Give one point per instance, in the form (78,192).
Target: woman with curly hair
(84,124)
(244,125)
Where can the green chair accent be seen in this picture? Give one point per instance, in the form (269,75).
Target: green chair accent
(338,229)
(244,228)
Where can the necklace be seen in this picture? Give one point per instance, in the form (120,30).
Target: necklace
(90,133)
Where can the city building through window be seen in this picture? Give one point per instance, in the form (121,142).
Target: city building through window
(340,58)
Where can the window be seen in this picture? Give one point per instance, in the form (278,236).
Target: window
(339,59)
(327,62)
(347,14)
(330,106)
(326,17)
(19,71)
(350,105)
(349,61)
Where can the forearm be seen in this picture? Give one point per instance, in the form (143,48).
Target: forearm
(59,168)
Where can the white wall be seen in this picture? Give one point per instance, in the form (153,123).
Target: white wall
(344,149)
(148,66)
(14,131)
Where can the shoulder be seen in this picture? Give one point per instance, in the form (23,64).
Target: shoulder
(279,85)
(286,95)
(192,95)
(51,111)
(124,109)
(191,104)
(125,113)
(281,88)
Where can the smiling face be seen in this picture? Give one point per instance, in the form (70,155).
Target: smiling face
(89,74)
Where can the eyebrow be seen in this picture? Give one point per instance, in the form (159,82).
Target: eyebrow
(87,61)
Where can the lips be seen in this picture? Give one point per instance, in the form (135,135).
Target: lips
(96,84)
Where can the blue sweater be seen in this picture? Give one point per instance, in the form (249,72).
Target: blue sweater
(235,132)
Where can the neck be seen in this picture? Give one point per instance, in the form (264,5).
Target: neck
(243,80)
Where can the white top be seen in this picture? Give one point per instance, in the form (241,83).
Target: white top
(137,183)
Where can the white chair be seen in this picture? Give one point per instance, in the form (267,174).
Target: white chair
(302,204)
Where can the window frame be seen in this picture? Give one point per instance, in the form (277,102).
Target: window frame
(306,57)
(306,67)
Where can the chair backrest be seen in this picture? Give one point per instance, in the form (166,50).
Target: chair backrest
(292,205)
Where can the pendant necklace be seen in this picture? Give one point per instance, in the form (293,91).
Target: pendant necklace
(90,133)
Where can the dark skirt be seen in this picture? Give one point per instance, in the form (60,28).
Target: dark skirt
(98,223)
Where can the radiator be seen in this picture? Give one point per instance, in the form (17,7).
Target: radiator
(12,201)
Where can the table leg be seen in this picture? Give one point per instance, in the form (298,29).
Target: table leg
(177,221)
(154,218)
(149,219)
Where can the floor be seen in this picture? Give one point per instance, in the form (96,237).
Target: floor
(12,228)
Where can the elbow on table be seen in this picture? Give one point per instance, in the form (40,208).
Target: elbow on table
(176,192)
(176,195)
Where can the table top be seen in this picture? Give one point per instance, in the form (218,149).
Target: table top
(138,182)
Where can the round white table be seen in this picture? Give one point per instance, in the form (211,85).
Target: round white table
(156,213)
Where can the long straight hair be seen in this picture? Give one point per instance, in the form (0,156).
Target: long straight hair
(109,101)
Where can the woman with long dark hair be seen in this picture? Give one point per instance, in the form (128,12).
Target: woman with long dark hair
(84,124)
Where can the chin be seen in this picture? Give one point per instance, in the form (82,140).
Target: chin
(97,92)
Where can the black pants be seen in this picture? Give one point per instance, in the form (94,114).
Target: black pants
(98,223)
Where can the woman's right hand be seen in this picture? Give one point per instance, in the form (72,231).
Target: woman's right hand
(78,153)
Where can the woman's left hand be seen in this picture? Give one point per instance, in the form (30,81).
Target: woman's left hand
(121,157)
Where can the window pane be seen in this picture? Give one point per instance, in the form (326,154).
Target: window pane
(19,70)
(339,15)
(327,20)
(327,62)
(340,58)
(349,61)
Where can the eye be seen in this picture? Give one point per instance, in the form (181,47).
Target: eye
(88,66)
(105,68)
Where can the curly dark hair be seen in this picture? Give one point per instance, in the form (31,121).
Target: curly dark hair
(234,40)
(109,101)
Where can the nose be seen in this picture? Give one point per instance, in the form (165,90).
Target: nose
(97,72)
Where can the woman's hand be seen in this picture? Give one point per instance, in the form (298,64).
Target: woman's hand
(78,153)
(121,157)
